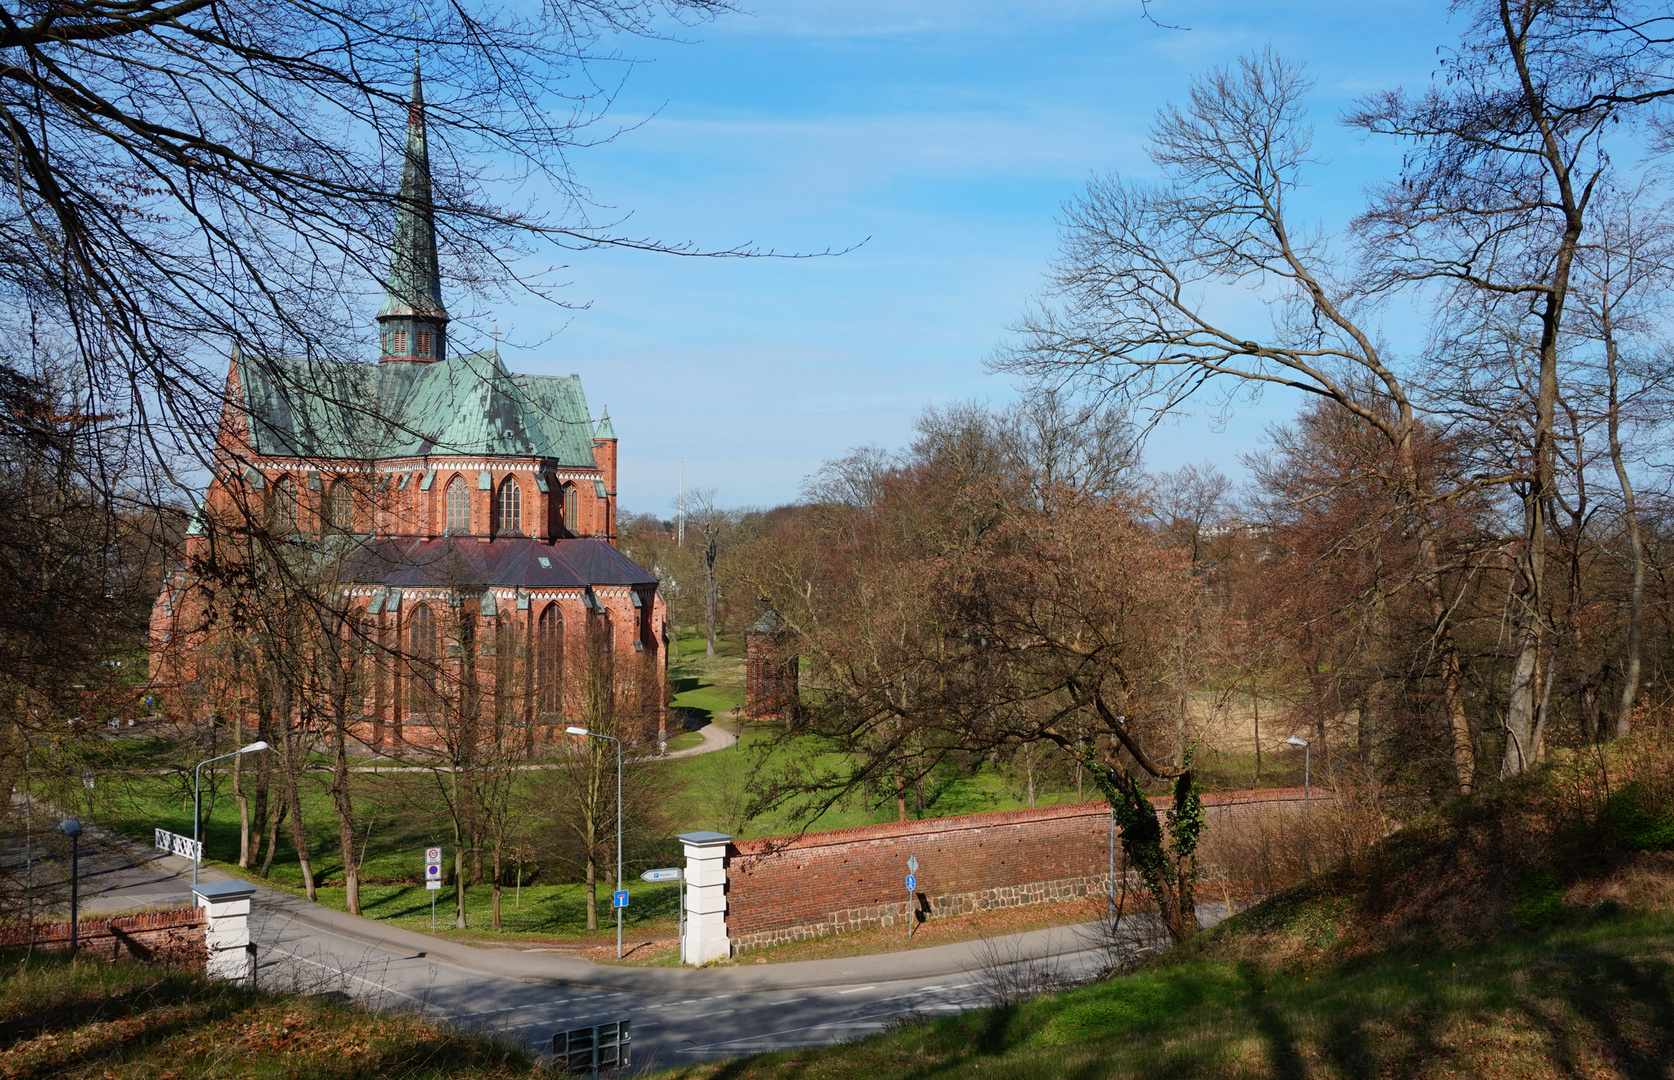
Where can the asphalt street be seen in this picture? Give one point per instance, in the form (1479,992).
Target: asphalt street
(526,995)
(677,1014)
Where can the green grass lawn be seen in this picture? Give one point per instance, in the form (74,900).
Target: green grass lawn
(545,911)
(1594,999)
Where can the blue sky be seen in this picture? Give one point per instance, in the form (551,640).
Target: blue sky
(943,135)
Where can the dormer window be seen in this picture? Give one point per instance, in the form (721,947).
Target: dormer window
(423,343)
(398,342)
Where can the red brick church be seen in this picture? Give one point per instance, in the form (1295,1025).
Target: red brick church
(469,513)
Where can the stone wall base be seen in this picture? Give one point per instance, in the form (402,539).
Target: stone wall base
(1063,890)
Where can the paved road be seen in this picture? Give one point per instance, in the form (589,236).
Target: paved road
(678,1015)
(527,995)
(716,736)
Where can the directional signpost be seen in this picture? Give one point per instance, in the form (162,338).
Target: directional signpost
(433,878)
(912,902)
(671,875)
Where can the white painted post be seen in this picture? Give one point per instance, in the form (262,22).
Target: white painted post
(227,928)
(706,897)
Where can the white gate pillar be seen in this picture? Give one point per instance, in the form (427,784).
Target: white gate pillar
(226,907)
(706,898)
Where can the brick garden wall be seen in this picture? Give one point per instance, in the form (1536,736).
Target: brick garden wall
(789,888)
(162,937)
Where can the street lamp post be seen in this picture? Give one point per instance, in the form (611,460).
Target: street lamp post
(72,828)
(1307,791)
(595,735)
(197,799)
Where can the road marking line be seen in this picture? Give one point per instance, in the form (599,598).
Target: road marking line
(857,990)
(357,978)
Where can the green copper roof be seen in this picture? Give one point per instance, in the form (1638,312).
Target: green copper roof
(607,430)
(415,279)
(465,404)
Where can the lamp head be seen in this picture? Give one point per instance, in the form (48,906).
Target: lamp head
(259,744)
(1297,740)
(70,827)
(576,731)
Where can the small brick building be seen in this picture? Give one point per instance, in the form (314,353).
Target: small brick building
(770,669)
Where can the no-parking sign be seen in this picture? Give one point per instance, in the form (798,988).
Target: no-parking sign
(433,868)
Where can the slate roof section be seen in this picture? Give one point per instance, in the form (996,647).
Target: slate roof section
(467,404)
(411,563)
(771,622)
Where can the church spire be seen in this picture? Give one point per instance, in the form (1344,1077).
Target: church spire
(412,321)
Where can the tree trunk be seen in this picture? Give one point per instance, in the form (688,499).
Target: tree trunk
(1453,688)
(239,796)
(1522,702)
(592,894)
(496,886)
(299,832)
(342,800)
(458,858)
(276,815)
(1522,734)
(1636,542)
(709,601)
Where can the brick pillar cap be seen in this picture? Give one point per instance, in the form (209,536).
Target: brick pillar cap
(701,839)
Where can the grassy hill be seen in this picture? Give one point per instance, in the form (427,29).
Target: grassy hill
(1528,932)
(97,1021)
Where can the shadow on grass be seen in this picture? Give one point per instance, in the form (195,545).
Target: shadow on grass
(1271,1025)
(561,913)
(1627,1006)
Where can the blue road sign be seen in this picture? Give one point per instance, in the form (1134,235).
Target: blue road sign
(912,882)
(619,898)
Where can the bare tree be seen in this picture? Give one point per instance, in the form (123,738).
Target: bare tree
(1192,500)
(1126,319)
(1622,279)
(1505,162)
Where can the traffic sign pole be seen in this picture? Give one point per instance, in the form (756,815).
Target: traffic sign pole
(912,901)
(433,879)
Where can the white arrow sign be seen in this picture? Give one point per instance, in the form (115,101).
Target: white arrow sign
(671,873)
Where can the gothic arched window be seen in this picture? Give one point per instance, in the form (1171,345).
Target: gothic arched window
(282,508)
(341,507)
(424,655)
(511,507)
(459,506)
(549,664)
(569,508)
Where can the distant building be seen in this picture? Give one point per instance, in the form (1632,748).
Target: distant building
(463,506)
(770,669)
